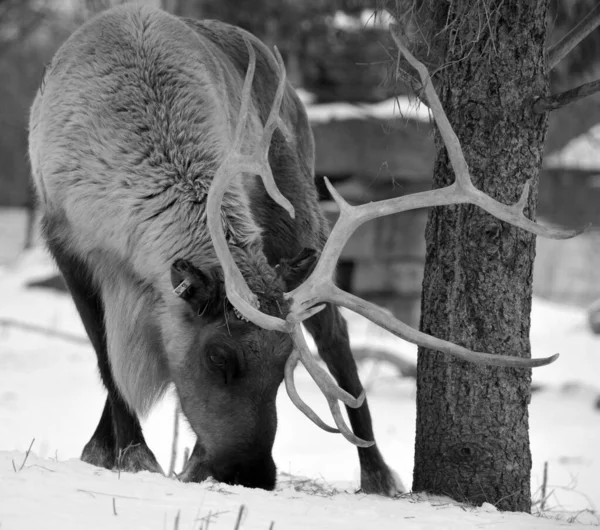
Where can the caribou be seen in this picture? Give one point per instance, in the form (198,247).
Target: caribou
(174,169)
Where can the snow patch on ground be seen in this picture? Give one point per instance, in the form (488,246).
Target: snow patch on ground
(50,392)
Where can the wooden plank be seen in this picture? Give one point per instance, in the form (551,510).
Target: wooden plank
(374,150)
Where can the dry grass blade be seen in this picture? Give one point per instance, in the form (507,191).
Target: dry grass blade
(175,440)
(24,459)
(544,487)
(186,457)
(238,521)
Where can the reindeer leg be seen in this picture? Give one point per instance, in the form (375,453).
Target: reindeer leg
(329,330)
(118,439)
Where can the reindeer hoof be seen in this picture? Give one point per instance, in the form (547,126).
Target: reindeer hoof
(98,454)
(137,458)
(194,470)
(382,481)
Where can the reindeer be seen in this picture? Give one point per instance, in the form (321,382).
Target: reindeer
(174,167)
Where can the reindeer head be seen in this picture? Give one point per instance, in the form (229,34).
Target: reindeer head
(233,368)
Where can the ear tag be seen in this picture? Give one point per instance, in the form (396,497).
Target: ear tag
(181,289)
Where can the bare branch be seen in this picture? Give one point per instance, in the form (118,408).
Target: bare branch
(562,48)
(556,101)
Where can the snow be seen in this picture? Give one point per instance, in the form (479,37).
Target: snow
(392,108)
(50,393)
(581,153)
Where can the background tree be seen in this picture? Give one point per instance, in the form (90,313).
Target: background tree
(20,69)
(334,63)
(489,59)
(580,66)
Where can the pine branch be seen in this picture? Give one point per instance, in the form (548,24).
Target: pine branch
(556,101)
(562,48)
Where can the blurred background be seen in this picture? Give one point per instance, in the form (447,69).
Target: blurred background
(372,141)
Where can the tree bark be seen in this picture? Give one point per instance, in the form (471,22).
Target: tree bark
(472,439)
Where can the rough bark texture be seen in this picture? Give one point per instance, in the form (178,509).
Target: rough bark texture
(472,438)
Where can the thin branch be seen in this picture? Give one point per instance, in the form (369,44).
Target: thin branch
(175,440)
(556,101)
(71,337)
(562,48)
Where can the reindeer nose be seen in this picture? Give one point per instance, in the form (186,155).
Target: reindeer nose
(254,472)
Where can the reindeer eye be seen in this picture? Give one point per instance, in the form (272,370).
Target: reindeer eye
(218,359)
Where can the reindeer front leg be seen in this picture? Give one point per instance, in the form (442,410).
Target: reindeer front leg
(330,332)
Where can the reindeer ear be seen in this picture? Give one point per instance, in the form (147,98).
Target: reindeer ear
(199,288)
(294,271)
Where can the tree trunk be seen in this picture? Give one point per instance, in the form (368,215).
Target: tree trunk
(472,440)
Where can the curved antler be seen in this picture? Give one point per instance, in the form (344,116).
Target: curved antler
(235,163)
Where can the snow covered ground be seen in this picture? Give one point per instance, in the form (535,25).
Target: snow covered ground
(50,392)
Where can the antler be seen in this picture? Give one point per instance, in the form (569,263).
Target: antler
(238,292)
(236,162)
(319,288)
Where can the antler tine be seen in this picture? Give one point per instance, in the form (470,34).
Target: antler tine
(274,120)
(245,97)
(320,376)
(236,162)
(295,398)
(451,142)
(382,318)
(512,215)
(333,393)
(344,429)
